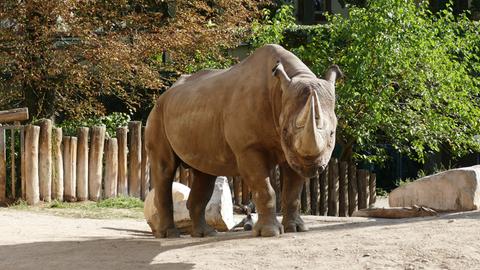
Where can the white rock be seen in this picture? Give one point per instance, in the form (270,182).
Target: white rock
(218,213)
(219,210)
(453,190)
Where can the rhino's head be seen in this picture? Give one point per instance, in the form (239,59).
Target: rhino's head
(307,119)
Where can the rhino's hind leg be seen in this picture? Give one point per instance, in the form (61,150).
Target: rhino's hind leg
(292,187)
(163,164)
(202,189)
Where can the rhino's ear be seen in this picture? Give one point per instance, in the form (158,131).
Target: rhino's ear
(279,72)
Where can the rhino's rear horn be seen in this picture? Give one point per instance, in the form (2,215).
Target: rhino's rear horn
(279,72)
(333,73)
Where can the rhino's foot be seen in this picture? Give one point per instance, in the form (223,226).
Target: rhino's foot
(203,231)
(294,225)
(168,233)
(268,229)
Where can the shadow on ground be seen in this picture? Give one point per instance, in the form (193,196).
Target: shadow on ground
(119,254)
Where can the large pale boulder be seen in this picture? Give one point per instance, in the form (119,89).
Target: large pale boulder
(453,190)
(219,210)
(218,213)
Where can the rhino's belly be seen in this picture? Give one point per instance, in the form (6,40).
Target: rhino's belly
(196,135)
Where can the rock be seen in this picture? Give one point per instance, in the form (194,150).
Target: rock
(452,190)
(219,210)
(218,213)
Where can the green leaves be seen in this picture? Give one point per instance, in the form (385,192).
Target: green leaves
(412,77)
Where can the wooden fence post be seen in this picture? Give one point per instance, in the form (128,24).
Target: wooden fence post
(82,164)
(135,159)
(275,183)
(3,166)
(45,160)
(352,189)
(111,165)
(22,165)
(245,192)
(57,172)
(31,164)
(145,167)
(362,177)
(333,187)
(314,195)
(323,183)
(13,171)
(343,189)
(69,168)
(237,190)
(122,182)
(372,185)
(95,162)
(305,197)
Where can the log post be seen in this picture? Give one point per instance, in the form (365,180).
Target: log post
(13,171)
(145,165)
(372,185)
(45,160)
(82,164)
(314,195)
(31,164)
(275,183)
(111,165)
(69,168)
(245,192)
(333,187)
(20,114)
(362,177)
(237,190)
(22,165)
(57,162)
(343,189)
(122,182)
(3,166)
(323,184)
(304,198)
(352,189)
(135,159)
(95,162)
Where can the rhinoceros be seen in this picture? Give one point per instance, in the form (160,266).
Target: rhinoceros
(267,110)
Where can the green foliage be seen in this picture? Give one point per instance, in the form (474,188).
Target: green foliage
(270,30)
(111,122)
(208,61)
(381,192)
(120,202)
(403,182)
(412,77)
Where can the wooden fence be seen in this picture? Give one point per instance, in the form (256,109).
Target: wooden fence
(91,166)
(338,191)
(88,166)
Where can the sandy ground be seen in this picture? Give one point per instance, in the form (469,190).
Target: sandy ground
(41,241)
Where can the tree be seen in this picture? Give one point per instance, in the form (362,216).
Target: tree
(75,58)
(412,78)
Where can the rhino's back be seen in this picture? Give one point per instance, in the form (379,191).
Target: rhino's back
(193,115)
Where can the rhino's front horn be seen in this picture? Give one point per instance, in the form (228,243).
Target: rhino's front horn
(309,141)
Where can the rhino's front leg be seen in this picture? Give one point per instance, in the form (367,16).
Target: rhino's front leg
(254,170)
(292,187)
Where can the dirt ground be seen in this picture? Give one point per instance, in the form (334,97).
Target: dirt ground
(31,240)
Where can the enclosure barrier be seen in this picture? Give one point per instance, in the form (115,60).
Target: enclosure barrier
(90,166)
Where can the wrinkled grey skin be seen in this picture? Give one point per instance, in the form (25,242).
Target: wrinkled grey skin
(269,109)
